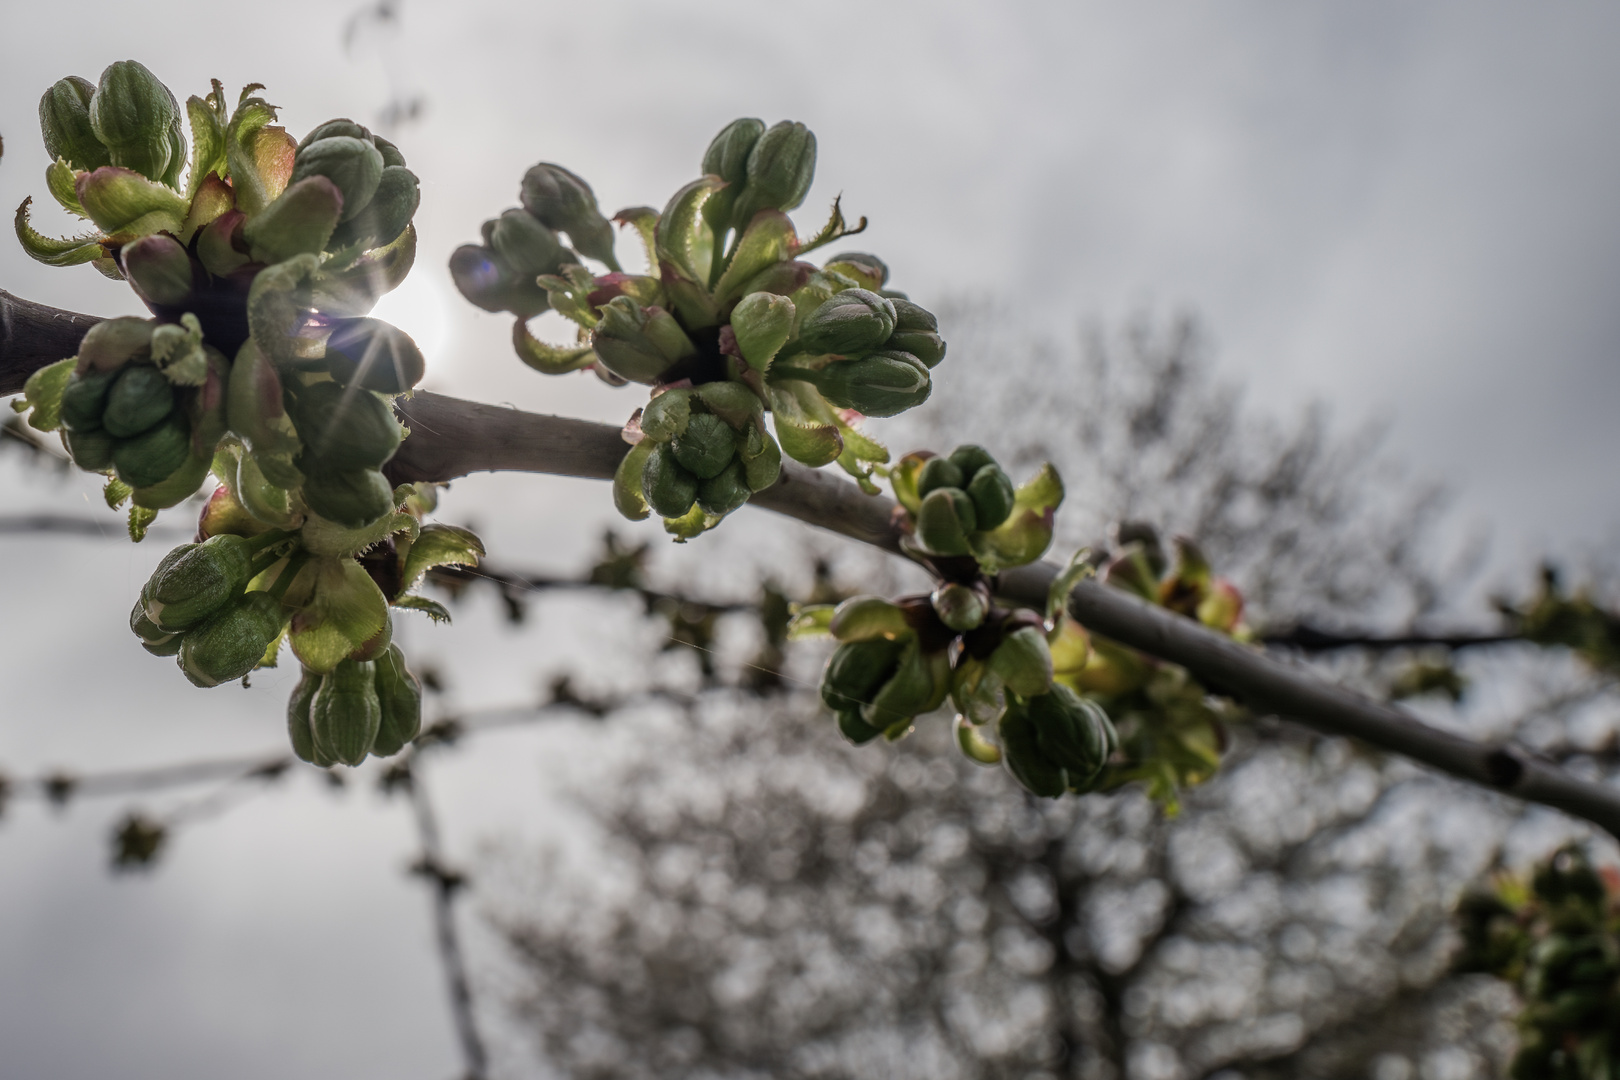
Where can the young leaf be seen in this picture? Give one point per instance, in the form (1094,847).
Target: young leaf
(43,391)
(431,608)
(439,545)
(345,610)
(53,252)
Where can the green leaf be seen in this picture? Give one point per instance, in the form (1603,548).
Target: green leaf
(811,621)
(139,518)
(569,291)
(645,221)
(860,470)
(62,182)
(177,349)
(835,229)
(53,252)
(439,545)
(277,303)
(627,497)
(325,538)
(861,446)
(43,391)
(1057,597)
(678,226)
(548,359)
(115,492)
(207,116)
(127,206)
(344,611)
(805,426)
(431,608)
(259,162)
(770,239)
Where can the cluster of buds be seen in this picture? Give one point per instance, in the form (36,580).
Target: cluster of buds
(729,300)
(1556,938)
(897,660)
(259,265)
(1577,623)
(225,605)
(962,505)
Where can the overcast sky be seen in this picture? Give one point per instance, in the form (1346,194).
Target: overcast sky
(1405,209)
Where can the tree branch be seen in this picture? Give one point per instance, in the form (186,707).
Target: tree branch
(452,438)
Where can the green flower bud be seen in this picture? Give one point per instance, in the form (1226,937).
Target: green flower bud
(857,670)
(939,472)
(133,114)
(721,494)
(959,607)
(1075,733)
(485,279)
(992,495)
(970,458)
(139,399)
(564,202)
(668,488)
(153,456)
(85,398)
(159,269)
(761,469)
(852,322)
(944,520)
(345,714)
(112,343)
(882,384)
(391,208)
(220,246)
(299,732)
(342,126)
(1023,662)
(526,245)
(781,166)
(391,156)
(64,120)
(374,355)
(761,323)
(199,582)
(154,639)
(727,158)
(706,447)
(92,450)
(353,498)
(399,695)
(1022,755)
(916,331)
(919,684)
(233,641)
(344,428)
(856,730)
(354,165)
(727,155)
(298,222)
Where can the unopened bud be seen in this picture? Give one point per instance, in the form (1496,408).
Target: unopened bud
(868,271)
(781,166)
(353,498)
(233,641)
(565,202)
(154,455)
(354,165)
(724,492)
(485,279)
(386,215)
(727,158)
(198,583)
(345,713)
(154,639)
(856,670)
(916,331)
(958,606)
(706,447)
(91,450)
(139,399)
(852,322)
(1021,753)
(132,113)
(1073,733)
(638,343)
(939,472)
(299,732)
(344,428)
(399,697)
(944,520)
(992,495)
(299,221)
(882,384)
(159,269)
(375,355)
(668,488)
(64,121)
(863,618)
(84,399)
(527,245)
